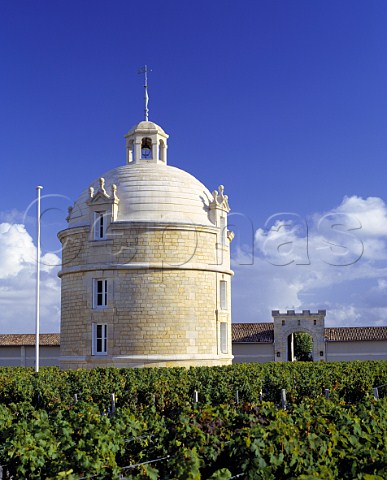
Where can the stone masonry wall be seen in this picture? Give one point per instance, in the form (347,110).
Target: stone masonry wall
(163,296)
(169,244)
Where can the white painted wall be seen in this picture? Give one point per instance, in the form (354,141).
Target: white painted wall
(24,356)
(253,352)
(335,351)
(346,351)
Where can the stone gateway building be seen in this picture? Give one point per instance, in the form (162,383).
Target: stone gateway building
(146,277)
(274,341)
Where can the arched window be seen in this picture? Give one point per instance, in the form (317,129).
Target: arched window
(130,152)
(146,148)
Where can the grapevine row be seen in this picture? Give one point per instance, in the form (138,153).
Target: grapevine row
(55,424)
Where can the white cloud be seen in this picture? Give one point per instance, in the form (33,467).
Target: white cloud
(335,260)
(18,283)
(16,249)
(371,213)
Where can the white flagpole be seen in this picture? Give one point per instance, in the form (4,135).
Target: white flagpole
(37,326)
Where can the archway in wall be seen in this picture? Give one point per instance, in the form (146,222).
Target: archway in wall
(300,347)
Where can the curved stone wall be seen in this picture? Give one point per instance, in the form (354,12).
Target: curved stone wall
(163,296)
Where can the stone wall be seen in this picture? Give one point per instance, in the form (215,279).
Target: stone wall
(163,296)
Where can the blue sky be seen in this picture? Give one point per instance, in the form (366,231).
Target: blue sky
(284,102)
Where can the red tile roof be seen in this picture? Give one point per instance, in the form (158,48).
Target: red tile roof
(355,334)
(26,339)
(252,332)
(264,333)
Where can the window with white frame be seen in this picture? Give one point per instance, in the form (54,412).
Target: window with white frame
(99,225)
(100,293)
(99,339)
(223,295)
(223,337)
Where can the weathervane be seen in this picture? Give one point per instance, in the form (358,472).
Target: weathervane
(144,70)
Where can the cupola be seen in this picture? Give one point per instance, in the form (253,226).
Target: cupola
(146,142)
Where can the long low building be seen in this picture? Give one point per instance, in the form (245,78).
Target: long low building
(254,342)
(251,342)
(18,349)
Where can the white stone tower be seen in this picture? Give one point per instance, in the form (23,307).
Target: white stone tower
(146,277)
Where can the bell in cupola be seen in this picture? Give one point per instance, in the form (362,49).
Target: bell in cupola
(146,148)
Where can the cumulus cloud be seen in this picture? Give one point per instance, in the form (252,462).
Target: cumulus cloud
(371,213)
(335,260)
(16,249)
(18,283)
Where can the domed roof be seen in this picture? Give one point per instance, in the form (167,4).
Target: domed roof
(150,193)
(148,127)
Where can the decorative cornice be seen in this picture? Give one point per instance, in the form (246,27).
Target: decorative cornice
(145,225)
(146,358)
(144,266)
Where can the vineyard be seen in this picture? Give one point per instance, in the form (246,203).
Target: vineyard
(203,423)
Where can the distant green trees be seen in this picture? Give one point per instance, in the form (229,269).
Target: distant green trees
(303,347)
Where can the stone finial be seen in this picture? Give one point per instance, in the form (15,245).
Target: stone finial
(102,186)
(114,192)
(220,200)
(70,209)
(223,199)
(221,194)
